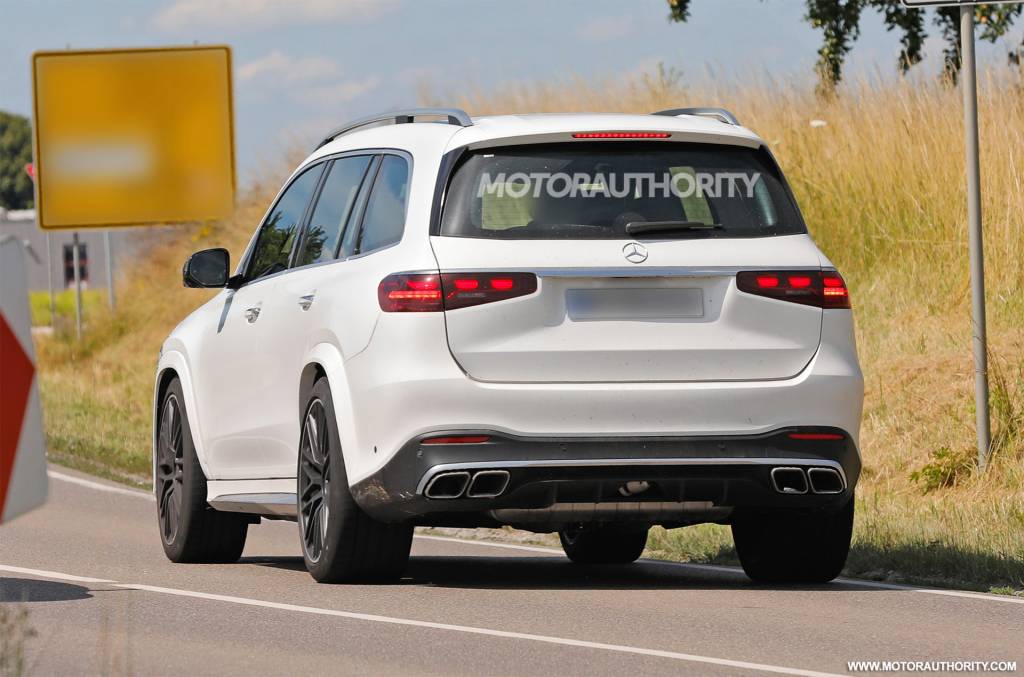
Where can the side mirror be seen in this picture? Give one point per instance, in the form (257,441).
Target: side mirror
(207,269)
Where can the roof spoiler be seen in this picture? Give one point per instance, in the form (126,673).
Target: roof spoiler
(718,113)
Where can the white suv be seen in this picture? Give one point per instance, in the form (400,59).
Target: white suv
(588,324)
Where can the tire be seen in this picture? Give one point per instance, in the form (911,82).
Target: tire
(340,542)
(792,547)
(607,544)
(190,530)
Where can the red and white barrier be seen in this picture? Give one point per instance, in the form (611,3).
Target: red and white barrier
(23,482)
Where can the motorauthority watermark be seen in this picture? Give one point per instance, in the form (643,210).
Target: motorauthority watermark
(681,184)
(931,666)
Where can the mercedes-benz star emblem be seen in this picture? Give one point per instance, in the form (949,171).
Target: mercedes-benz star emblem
(635,252)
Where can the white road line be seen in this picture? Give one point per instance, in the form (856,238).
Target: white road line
(465,629)
(720,568)
(56,575)
(553,551)
(54,475)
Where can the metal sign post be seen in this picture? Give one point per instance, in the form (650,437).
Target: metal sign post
(979,340)
(110,269)
(78,285)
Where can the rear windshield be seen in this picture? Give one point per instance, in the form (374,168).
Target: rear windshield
(605,190)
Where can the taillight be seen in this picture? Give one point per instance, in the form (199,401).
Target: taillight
(820,288)
(404,293)
(410,294)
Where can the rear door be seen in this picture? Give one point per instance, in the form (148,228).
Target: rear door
(658,304)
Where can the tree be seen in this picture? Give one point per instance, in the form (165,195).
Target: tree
(839,22)
(15,153)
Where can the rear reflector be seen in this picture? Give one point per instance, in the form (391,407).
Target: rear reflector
(425,292)
(815,436)
(458,439)
(823,289)
(621,135)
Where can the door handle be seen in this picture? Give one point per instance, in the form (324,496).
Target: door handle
(252,314)
(306,300)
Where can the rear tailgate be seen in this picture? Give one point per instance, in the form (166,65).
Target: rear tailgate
(597,317)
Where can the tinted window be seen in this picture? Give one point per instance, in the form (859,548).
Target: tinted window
(279,230)
(332,209)
(594,190)
(384,219)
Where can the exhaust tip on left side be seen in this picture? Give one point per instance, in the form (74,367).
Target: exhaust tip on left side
(447,485)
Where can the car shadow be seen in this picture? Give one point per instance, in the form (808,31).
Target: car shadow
(29,590)
(557,573)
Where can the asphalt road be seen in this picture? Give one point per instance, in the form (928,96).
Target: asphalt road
(102,599)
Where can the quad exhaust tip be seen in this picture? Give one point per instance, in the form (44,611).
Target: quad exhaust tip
(488,484)
(447,485)
(789,480)
(825,481)
(481,484)
(796,481)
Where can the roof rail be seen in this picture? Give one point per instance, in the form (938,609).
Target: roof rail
(717,113)
(455,116)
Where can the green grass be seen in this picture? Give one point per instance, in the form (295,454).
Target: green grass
(39,303)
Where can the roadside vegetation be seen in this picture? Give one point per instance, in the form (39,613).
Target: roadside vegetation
(878,171)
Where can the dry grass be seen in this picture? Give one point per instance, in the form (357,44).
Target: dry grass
(881,185)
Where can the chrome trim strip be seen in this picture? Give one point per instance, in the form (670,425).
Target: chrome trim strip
(606,462)
(633,271)
(257,504)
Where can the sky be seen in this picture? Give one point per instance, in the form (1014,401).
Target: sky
(305,66)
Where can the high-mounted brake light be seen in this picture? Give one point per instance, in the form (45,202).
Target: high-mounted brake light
(621,135)
(425,292)
(819,288)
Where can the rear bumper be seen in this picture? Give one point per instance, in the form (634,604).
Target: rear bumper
(544,482)
(398,394)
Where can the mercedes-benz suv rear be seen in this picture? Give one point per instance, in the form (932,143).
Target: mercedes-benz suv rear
(587,325)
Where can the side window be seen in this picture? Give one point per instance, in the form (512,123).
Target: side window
(333,208)
(277,235)
(384,219)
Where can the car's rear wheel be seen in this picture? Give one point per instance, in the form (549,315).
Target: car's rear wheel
(603,544)
(340,542)
(190,530)
(794,547)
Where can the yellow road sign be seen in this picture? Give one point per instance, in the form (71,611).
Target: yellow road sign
(133,137)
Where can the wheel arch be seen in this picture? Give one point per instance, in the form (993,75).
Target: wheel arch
(173,364)
(324,360)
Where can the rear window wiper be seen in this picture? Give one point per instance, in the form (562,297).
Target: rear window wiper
(637,227)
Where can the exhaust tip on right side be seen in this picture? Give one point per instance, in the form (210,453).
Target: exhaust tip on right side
(789,480)
(488,484)
(825,481)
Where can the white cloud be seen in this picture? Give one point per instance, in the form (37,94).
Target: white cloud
(340,93)
(283,68)
(606,28)
(261,13)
